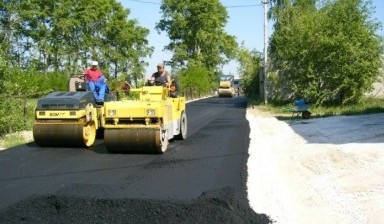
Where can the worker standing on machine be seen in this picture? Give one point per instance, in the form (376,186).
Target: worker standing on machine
(96,82)
(161,77)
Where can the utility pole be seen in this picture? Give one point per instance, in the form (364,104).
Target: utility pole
(265,3)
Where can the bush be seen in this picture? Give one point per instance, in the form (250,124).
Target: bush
(32,83)
(17,90)
(16,114)
(194,81)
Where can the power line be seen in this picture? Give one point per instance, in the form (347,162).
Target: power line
(147,2)
(230,6)
(242,6)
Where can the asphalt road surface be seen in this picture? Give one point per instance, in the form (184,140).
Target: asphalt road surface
(198,180)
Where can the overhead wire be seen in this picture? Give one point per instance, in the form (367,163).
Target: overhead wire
(241,6)
(146,2)
(230,6)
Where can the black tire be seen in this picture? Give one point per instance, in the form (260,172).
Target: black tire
(183,127)
(306,114)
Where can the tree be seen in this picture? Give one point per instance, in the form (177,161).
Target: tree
(42,42)
(196,31)
(64,35)
(194,79)
(250,65)
(328,55)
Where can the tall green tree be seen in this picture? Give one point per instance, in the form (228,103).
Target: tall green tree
(250,65)
(328,54)
(64,35)
(42,42)
(196,32)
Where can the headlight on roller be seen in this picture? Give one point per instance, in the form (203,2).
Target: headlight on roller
(112,112)
(151,112)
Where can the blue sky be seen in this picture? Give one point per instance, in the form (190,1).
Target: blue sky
(246,20)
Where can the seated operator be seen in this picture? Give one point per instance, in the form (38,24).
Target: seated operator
(160,77)
(96,80)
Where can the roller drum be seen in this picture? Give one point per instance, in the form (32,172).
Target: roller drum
(66,135)
(136,140)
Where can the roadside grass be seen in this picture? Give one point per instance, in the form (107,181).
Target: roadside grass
(19,124)
(15,139)
(285,112)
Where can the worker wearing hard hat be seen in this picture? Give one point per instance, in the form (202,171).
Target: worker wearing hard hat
(96,82)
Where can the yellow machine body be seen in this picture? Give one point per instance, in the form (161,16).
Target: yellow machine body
(145,122)
(66,119)
(226,86)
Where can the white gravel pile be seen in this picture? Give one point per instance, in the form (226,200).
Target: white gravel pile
(325,170)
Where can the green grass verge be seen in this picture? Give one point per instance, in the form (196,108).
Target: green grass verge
(17,116)
(14,139)
(366,106)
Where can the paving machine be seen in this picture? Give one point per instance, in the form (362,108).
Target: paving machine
(226,86)
(145,122)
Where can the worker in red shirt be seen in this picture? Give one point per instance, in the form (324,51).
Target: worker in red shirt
(96,82)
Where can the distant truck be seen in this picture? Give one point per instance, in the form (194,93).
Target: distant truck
(226,86)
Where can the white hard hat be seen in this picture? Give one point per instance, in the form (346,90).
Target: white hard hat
(95,63)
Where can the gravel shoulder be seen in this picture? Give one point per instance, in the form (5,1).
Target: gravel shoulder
(323,170)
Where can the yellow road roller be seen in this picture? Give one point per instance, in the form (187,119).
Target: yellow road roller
(145,122)
(68,118)
(226,86)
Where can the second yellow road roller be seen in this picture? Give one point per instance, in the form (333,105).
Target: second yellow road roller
(226,86)
(145,122)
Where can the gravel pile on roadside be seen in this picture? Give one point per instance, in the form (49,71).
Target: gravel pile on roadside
(320,170)
(219,206)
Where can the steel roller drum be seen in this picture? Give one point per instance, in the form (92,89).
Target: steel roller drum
(135,140)
(226,92)
(70,135)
